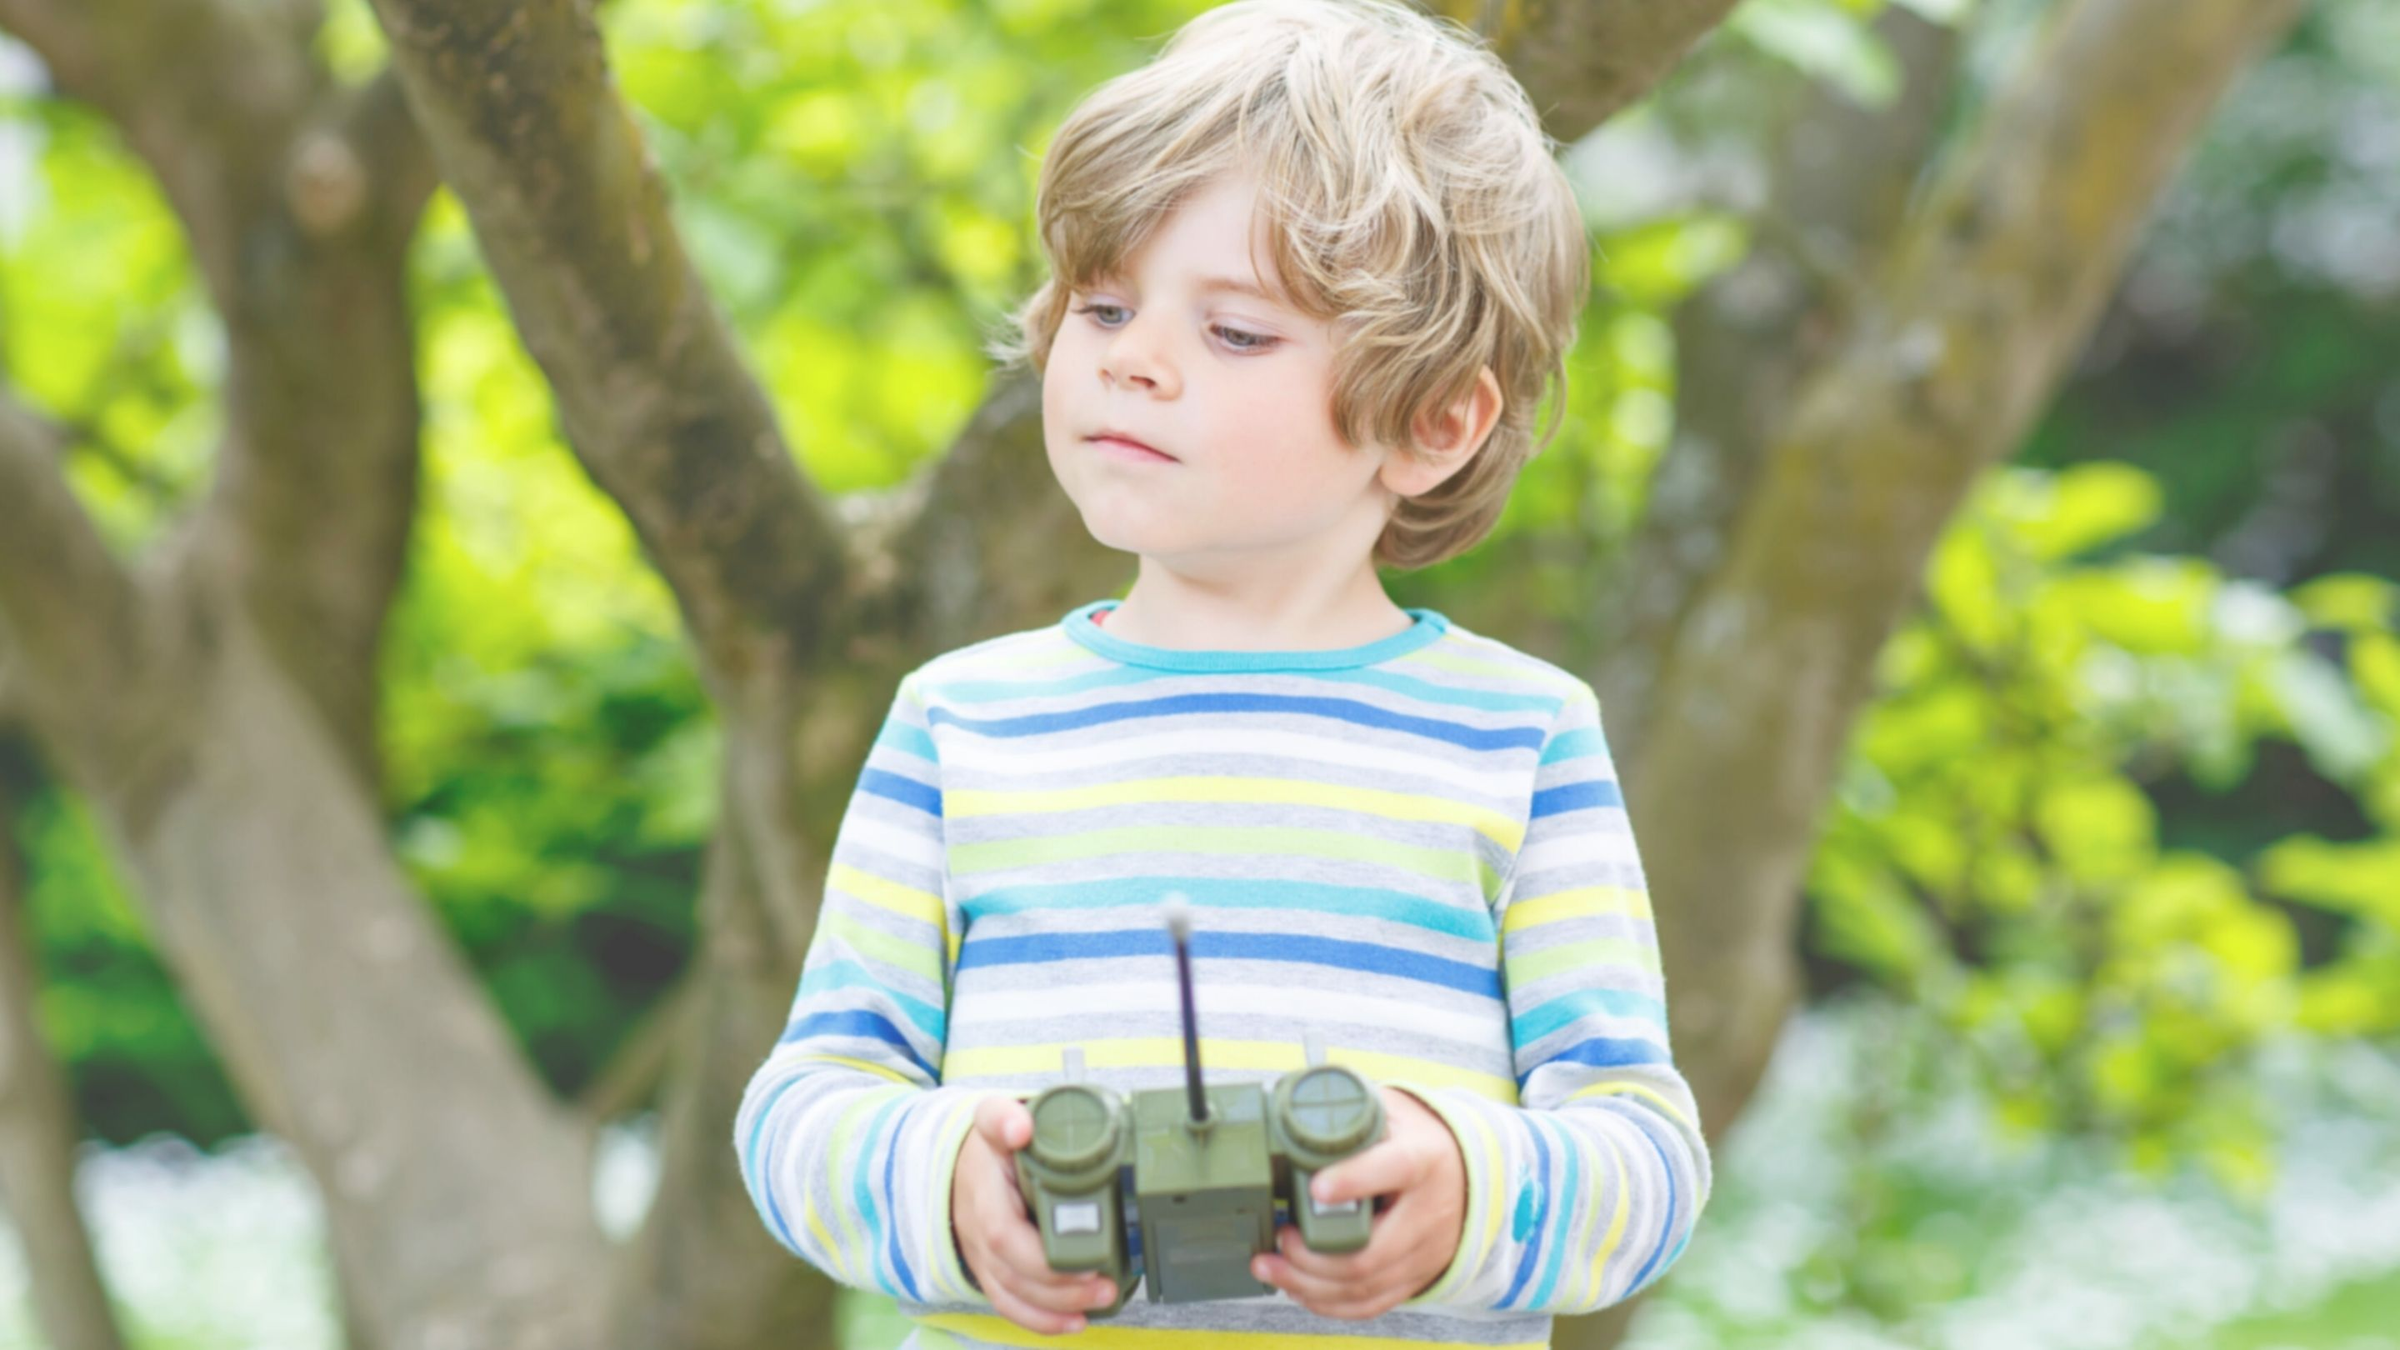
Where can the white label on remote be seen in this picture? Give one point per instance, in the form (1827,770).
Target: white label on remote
(1077,1218)
(1346,1207)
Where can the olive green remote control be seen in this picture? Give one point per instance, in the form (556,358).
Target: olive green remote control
(1206,1166)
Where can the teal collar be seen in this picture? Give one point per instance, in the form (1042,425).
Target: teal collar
(1429,625)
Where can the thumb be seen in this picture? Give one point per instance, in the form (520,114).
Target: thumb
(1383,1169)
(1004,1123)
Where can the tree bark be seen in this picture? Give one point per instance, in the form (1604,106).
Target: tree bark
(37,1118)
(216,703)
(1987,291)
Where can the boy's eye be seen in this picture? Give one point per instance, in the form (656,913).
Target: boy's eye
(1236,338)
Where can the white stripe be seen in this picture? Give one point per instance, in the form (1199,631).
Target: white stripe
(917,847)
(1016,759)
(1605,841)
(990,1007)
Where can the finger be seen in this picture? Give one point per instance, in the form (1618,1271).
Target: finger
(1342,1267)
(1366,1296)
(1015,1252)
(1070,1292)
(1004,1123)
(1017,1245)
(1388,1167)
(1010,1304)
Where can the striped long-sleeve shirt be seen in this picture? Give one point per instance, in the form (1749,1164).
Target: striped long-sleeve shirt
(1415,848)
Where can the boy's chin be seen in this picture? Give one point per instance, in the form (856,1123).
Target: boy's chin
(1131,536)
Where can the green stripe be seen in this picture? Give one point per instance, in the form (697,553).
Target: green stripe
(1524,970)
(891,951)
(1439,864)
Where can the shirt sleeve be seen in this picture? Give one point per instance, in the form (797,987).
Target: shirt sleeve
(845,1136)
(1587,1189)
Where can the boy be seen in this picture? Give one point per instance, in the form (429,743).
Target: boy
(1312,269)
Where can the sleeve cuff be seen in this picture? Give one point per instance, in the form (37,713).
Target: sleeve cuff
(958,1120)
(1478,1149)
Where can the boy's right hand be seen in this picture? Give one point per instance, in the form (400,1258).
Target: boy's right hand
(1002,1248)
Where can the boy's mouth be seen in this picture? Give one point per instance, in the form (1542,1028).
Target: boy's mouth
(1119,441)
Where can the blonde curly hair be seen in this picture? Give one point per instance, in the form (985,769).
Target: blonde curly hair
(1412,197)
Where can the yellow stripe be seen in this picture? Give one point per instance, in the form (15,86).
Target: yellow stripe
(906,901)
(839,1165)
(1500,829)
(1102,1336)
(1582,902)
(1495,1173)
(816,1224)
(825,1242)
(1639,1090)
(1166,1052)
(869,1065)
(1616,1227)
(1066,652)
(1448,656)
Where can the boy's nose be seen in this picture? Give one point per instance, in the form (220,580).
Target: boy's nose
(1133,363)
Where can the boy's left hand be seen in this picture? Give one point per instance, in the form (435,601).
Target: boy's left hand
(1418,1165)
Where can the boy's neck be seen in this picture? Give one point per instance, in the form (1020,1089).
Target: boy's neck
(1165,609)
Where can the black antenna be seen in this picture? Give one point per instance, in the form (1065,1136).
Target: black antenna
(1179,929)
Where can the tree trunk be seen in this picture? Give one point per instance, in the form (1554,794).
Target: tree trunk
(37,1121)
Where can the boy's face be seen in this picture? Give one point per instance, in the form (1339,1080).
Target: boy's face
(1236,388)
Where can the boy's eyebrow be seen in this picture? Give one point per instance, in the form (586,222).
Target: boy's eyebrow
(1238,287)
(1213,285)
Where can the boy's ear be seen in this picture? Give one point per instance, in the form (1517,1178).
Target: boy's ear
(1445,443)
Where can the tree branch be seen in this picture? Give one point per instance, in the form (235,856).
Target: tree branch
(634,1071)
(1583,61)
(1838,179)
(983,541)
(157,69)
(37,1119)
(1988,292)
(1989,288)
(304,250)
(81,629)
(382,133)
(529,130)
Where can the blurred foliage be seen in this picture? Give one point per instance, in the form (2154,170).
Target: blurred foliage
(2125,805)
(1992,850)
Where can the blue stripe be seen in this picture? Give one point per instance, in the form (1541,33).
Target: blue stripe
(1541,1211)
(1369,902)
(856,1022)
(1564,1213)
(1605,1051)
(755,1171)
(908,738)
(1576,797)
(1336,709)
(862,1196)
(1575,744)
(906,791)
(891,1206)
(1036,948)
(852,975)
(1667,1170)
(1580,1003)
